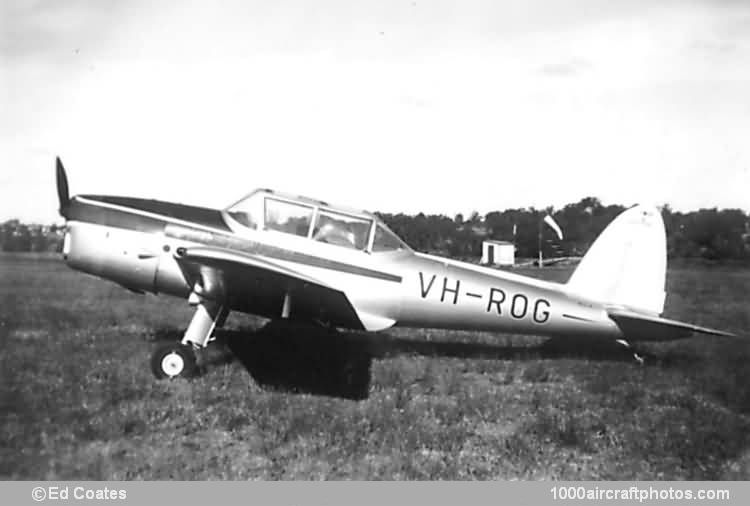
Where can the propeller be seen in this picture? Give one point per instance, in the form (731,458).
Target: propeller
(62,189)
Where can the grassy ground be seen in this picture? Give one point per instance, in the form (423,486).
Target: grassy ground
(77,399)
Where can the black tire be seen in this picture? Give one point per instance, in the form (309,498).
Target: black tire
(173,360)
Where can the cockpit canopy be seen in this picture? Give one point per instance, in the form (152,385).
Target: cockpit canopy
(316,220)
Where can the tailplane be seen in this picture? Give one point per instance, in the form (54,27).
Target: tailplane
(626,266)
(640,327)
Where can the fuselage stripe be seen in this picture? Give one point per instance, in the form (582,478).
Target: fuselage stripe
(147,214)
(577,318)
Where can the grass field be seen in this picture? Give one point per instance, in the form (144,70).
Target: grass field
(78,401)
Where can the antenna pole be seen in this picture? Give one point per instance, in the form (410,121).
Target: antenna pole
(540,243)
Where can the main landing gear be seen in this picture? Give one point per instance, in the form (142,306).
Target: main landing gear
(179,360)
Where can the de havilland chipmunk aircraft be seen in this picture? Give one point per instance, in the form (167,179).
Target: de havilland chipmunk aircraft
(295,258)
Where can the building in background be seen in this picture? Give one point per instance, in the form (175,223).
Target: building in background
(498,253)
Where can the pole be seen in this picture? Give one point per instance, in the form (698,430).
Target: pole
(540,244)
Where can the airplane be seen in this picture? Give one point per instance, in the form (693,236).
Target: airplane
(316,264)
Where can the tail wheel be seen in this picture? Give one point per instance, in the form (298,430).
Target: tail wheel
(173,361)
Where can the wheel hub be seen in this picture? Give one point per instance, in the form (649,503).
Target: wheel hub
(172,364)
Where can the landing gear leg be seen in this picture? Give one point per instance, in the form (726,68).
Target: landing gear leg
(636,356)
(179,359)
(207,314)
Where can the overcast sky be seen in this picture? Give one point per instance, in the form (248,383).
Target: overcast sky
(433,106)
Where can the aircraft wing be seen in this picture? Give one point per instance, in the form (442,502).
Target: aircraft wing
(258,285)
(641,327)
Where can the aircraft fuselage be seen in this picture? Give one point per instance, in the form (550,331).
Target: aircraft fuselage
(134,242)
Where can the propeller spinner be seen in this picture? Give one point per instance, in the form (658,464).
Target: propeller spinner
(62,189)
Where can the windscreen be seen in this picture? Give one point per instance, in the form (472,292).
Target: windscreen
(248,212)
(385,240)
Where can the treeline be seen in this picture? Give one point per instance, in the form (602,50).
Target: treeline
(17,236)
(708,233)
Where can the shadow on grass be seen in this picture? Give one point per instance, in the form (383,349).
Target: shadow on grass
(382,346)
(304,359)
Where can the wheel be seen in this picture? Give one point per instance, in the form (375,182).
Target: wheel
(173,361)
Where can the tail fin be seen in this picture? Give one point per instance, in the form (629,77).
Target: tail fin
(626,266)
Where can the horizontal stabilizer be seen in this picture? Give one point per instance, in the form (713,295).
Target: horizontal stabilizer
(640,327)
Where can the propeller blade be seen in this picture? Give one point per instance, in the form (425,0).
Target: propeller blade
(62,188)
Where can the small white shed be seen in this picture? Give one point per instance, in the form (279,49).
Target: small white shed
(498,253)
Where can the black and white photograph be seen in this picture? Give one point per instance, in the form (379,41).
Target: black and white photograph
(398,240)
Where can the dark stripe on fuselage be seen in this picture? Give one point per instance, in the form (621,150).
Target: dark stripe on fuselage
(93,213)
(199,215)
(577,318)
(133,220)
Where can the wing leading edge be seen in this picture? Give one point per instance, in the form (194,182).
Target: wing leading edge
(258,285)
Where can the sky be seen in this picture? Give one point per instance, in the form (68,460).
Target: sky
(396,106)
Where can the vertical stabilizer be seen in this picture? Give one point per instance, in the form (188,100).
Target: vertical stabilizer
(626,266)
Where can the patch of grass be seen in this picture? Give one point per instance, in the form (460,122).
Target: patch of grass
(727,377)
(696,438)
(535,372)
